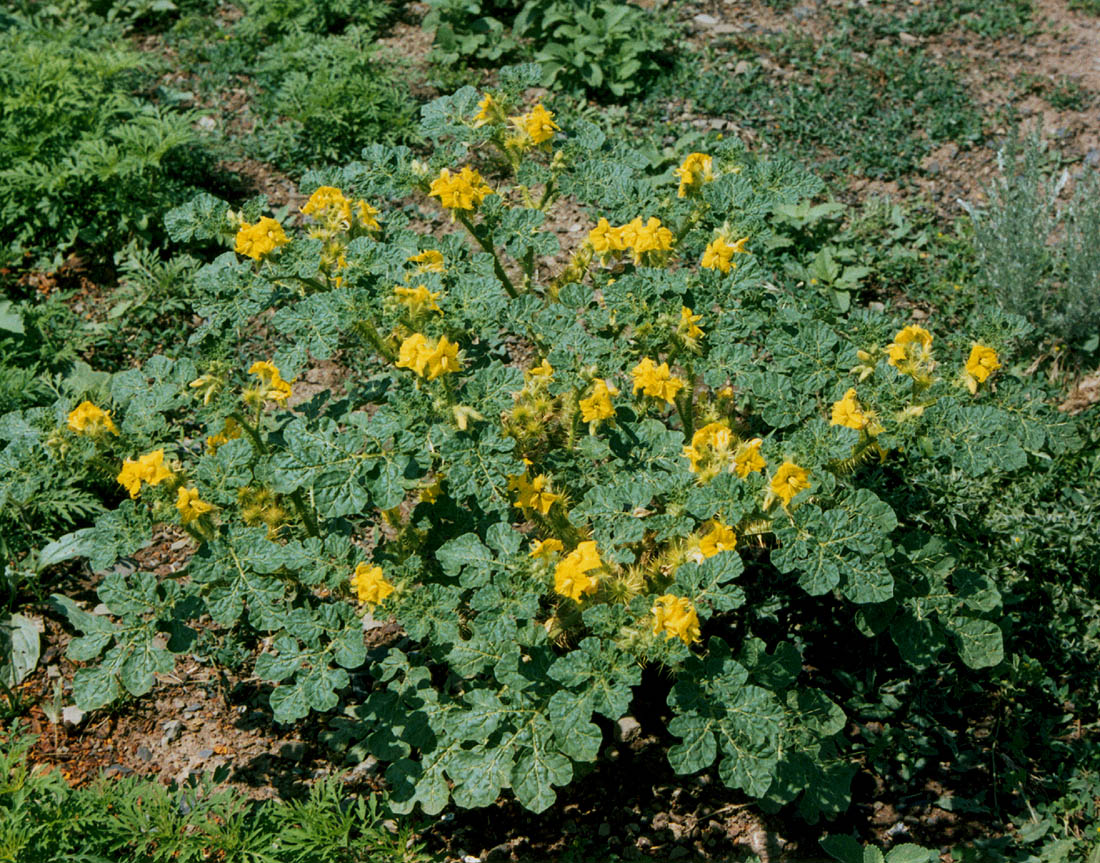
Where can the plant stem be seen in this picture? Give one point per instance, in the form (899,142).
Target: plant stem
(488,247)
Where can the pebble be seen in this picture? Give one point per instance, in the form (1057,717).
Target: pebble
(72,715)
(101,609)
(192,708)
(144,753)
(172,730)
(205,753)
(118,770)
(705,20)
(1092,158)
(208,123)
(627,728)
(366,767)
(371,622)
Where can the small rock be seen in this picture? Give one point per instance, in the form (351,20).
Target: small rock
(726,29)
(743,67)
(470,858)
(876,306)
(205,753)
(192,708)
(705,20)
(1092,158)
(371,622)
(179,544)
(627,728)
(144,753)
(604,829)
(933,168)
(575,228)
(208,123)
(72,716)
(390,825)
(53,672)
(367,767)
(801,13)
(907,39)
(172,730)
(118,770)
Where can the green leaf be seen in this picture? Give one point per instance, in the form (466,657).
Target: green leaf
(981,644)
(19,649)
(535,774)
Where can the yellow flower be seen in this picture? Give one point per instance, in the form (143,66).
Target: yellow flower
(149,468)
(748,459)
(545,547)
(698,168)
(535,494)
(718,255)
(273,387)
(571,576)
(605,239)
(911,346)
(257,241)
(429,261)
(788,481)
(656,381)
(366,215)
(328,204)
(413,353)
(542,370)
(443,359)
(676,616)
(715,437)
(537,124)
(646,237)
(418,299)
(488,111)
(370,585)
(189,505)
(87,419)
(848,413)
(231,430)
(719,538)
(981,363)
(464,191)
(598,406)
(689,325)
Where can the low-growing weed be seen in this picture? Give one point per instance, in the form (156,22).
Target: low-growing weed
(82,159)
(325,98)
(875,115)
(1038,256)
(43,819)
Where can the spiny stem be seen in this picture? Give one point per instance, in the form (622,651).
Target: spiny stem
(488,247)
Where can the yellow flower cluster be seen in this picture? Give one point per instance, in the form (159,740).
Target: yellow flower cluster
(370,584)
(981,363)
(429,261)
(89,420)
(463,191)
(488,111)
(676,616)
(334,212)
(272,386)
(788,481)
(149,469)
(689,329)
(712,449)
(910,350)
(537,124)
(428,358)
(418,300)
(638,237)
(571,576)
(598,406)
(656,381)
(534,493)
(190,506)
(259,240)
(542,372)
(718,255)
(697,169)
(231,430)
